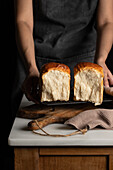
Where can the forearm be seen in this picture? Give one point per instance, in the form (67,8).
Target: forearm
(104,42)
(25,44)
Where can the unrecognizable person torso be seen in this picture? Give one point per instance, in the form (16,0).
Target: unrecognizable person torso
(64,28)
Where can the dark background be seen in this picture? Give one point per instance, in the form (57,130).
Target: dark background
(8,66)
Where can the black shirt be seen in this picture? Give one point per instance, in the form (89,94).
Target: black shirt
(64,28)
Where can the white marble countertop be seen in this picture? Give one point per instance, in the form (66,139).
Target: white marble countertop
(21,136)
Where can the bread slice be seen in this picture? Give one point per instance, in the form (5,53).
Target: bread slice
(54,82)
(88,82)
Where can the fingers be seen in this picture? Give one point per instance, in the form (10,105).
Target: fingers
(29,88)
(109,90)
(32,97)
(110,77)
(35,83)
(106,82)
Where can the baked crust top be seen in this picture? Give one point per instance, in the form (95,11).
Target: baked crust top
(87,65)
(54,66)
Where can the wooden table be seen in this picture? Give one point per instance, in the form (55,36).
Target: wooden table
(63,158)
(92,151)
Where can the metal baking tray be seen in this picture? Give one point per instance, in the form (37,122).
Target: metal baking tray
(106,98)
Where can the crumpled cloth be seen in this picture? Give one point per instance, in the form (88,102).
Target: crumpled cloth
(93,118)
(109,90)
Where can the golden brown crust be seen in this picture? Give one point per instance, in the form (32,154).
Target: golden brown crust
(54,66)
(87,65)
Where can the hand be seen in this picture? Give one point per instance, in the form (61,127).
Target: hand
(29,85)
(108,77)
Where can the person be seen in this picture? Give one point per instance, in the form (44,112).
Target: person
(60,31)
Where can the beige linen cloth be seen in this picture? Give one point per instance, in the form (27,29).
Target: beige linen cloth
(94,118)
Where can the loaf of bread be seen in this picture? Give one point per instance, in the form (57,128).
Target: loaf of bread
(54,82)
(88,82)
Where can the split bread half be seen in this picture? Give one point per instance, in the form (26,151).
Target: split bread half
(54,82)
(88,82)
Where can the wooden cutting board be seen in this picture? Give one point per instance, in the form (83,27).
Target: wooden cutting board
(51,114)
(36,110)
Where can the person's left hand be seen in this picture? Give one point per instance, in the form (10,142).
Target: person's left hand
(108,77)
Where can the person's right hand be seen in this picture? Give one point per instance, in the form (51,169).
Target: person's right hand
(108,76)
(30,84)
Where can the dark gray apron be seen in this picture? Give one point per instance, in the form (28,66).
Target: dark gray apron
(64,28)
